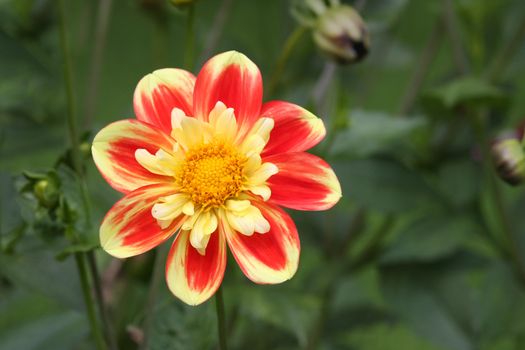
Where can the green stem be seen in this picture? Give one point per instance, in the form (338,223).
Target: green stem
(423,65)
(221,319)
(158,269)
(288,47)
(90,307)
(99,297)
(337,269)
(496,196)
(324,313)
(190,38)
(507,52)
(68,81)
(452,26)
(101,29)
(73,136)
(216,29)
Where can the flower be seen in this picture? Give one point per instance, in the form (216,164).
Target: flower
(341,33)
(337,29)
(509,159)
(207,159)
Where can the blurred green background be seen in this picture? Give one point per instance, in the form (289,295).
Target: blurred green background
(425,251)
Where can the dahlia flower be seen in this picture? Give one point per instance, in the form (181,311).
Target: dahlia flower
(208,161)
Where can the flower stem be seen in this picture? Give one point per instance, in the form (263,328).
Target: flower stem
(216,29)
(479,125)
(288,47)
(190,38)
(70,97)
(158,269)
(221,319)
(73,136)
(425,60)
(99,297)
(507,52)
(90,307)
(101,29)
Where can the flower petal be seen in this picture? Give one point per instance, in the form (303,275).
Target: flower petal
(130,229)
(233,79)
(161,91)
(193,277)
(304,182)
(114,150)
(205,225)
(271,257)
(295,128)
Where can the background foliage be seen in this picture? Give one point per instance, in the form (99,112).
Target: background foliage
(426,250)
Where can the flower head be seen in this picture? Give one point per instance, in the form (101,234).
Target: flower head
(509,159)
(206,159)
(338,29)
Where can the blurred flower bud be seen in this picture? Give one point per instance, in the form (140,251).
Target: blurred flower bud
(341,33)
(46,192)
(85,149)
(180,3)
(509,159)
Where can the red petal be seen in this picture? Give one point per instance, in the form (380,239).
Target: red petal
(270,257)
(129,228)
(114,149)
(232,78)
(161,91)
(192,277)
(295,128)
(304,182)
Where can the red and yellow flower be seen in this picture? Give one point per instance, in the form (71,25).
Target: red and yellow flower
(207,159)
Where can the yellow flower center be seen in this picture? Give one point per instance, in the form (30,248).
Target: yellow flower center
(211,174)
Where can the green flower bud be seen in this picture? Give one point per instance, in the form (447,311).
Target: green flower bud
(46,192)
(341,33)
(179,3)
(509,160)
(85,149)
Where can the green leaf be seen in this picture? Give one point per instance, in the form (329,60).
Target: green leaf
(77,248)
(178,326)
(408,293)
(33,322)
(384,185)
(386,337)
(34,268)
(431,238)
(288,311)
(375,132)
(465,91)
(458,181)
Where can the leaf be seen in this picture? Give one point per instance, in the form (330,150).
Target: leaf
(35,269)
(287,311)
(33,322)
(465,91)
(458,180)
(384,185)
(375,132)
(414,301)
(386,337)
(430,238)
(76,248)
(178,326)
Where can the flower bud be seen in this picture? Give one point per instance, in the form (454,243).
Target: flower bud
(179,3)
(85,149)
(509,160)
(46,192)
(341,33)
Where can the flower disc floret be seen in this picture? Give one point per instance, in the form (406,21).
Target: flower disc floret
(211,174)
